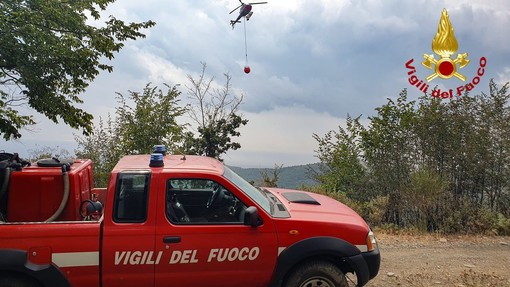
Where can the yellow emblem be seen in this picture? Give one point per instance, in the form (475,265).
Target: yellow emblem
(445,45)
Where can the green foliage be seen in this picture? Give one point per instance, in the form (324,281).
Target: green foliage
(216,114)
(503,204)
(340,154)
(388,150)
(151,121)
(425,200)
(214,138)
(270,179)
(502,225)
(48,152)
(135,130)
(429,164)
(10,120)
(49,55)
(465,217)
(103,147)
(376,209)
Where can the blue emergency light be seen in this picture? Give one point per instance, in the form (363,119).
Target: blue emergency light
(160,149)
(156,160)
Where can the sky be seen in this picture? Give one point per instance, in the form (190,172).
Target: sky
(313,63)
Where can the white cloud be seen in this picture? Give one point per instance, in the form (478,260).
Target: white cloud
(332,9)
(282,135)
(160,70)
(313,62)
(503,77)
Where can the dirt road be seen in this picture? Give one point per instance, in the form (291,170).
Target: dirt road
(436,260)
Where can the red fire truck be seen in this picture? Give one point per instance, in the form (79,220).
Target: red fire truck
(172,220)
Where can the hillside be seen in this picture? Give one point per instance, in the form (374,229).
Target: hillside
(289,177)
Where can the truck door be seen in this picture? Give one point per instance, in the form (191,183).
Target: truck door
(201,233)
(128,256)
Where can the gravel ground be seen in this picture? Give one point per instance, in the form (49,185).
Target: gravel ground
(437,260)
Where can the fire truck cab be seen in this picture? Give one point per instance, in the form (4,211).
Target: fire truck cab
(173,219)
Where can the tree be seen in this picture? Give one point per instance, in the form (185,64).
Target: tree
(48,152)
(134,130)
(216,113)
(495,125)
(339,152)
(49,55)
(427,198)
(152,120)
(438,165)
(388,146)
(270,178)
(102,147)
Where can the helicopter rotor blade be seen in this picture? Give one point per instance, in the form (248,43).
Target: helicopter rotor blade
(254,3)
(235,9)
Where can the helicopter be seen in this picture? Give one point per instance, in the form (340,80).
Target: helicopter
(245,11)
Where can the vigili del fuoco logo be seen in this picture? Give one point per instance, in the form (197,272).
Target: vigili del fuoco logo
(445,67)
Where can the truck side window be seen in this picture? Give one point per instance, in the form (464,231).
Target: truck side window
(202,201)
(131,197)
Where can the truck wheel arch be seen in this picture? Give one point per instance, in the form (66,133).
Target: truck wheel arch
(316,247)
(13,260)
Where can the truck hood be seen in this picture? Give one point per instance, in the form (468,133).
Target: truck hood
(312,207)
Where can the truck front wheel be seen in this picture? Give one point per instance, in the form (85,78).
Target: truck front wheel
(317,274)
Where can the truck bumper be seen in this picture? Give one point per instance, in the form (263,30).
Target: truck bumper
(373,260)
(366,265)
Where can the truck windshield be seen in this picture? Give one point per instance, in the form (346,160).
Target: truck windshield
(250,190)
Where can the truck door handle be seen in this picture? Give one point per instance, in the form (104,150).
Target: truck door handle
(171,239)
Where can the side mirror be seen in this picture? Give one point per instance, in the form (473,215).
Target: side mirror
(251,217)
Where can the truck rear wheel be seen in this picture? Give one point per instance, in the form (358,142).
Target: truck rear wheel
(317,274)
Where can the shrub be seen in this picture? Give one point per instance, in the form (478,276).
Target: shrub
(466,217)
(502,225)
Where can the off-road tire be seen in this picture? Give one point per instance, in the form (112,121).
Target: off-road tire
(317,274)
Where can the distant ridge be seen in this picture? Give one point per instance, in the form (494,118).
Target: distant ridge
(292,177)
